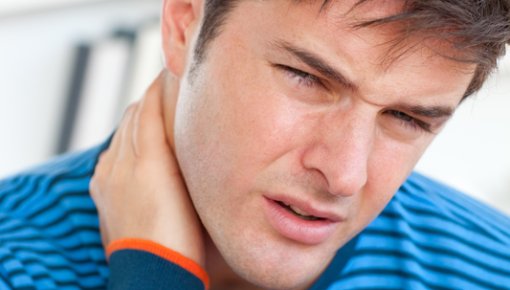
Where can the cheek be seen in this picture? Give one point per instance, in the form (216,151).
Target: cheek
(255,123)
(221,128)
(389,165)
(259,132)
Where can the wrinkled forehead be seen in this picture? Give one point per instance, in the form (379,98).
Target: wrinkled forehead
(400,33)
(397,35)
(368,9)
(372,53)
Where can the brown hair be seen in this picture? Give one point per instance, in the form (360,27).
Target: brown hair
(477,30)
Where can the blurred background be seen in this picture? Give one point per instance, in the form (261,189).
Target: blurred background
(68,68)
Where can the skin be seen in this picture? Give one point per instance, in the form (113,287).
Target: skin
(249,123)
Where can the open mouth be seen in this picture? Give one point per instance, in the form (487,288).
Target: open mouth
(299,213)
(299,221)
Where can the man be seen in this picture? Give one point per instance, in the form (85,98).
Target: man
(264,154)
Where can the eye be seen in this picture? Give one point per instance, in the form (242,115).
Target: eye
(301,77)
(408,121)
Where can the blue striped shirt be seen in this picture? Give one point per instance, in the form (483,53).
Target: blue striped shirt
(430,236)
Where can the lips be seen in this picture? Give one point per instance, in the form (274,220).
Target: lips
(298,212)
(298,221)
(305,208)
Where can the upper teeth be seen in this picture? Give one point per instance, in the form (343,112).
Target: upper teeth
(299,211)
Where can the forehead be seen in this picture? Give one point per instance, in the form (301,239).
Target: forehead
(357,13)
(365,8)
(398,36)
(361,53)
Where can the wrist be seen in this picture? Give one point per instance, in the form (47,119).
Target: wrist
(175,257)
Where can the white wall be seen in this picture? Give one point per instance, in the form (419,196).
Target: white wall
(36,49)
(472,153)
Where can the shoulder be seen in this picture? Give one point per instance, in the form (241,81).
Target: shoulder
(64,167)
(430,236)
(54,182)
(426,201)
(49,235)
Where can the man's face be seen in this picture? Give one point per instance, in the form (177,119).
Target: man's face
(293,135)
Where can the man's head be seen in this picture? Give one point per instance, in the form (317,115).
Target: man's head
(292,128)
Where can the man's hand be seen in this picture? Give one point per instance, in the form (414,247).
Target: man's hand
(137,186)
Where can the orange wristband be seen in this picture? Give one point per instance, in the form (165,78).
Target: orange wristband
(160,251)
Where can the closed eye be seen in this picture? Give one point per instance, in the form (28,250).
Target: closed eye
(409,121)
(303,78)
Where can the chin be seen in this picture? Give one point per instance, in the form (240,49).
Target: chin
(276,279)
(283,281)
(271,264)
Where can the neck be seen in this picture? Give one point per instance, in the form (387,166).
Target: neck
(221,275)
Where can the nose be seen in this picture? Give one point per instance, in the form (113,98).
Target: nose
(340,152)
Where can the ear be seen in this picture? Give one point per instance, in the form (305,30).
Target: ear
(180,20)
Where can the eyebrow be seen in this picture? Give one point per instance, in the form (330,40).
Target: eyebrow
(429,112)
(317,63)
(320,65)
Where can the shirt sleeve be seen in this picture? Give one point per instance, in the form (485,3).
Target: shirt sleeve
(140,264)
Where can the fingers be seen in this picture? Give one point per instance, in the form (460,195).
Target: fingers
(121,133)
(124,125)
(110,157)
(128,146)
(149,124)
